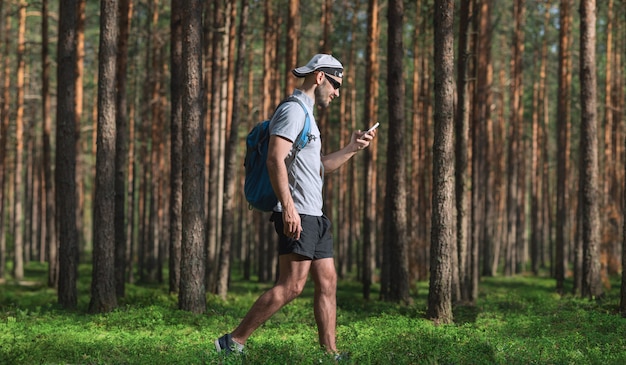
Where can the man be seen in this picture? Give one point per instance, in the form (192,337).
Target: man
(305,241)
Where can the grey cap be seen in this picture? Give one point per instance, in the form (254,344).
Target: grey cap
(320,62)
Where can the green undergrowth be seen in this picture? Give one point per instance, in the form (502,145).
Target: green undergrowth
(517,320)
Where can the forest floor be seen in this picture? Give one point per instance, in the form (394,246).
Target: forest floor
(517,320)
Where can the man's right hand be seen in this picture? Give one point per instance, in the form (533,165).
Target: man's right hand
(291,222)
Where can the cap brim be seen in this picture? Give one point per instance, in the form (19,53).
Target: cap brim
(302,71)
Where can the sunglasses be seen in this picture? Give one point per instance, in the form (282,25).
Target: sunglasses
(336,85)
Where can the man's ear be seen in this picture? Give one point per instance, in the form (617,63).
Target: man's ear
(319,77)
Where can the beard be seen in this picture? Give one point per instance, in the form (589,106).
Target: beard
(321,96)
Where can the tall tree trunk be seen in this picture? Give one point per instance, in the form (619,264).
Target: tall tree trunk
(65,165)
(515,241)
(537,221)
(153,242)
(622,303)
(4,128)
(563,125)
(370,113)
(395,237)
(51,241)
(609,162)
(192,274)
(414,176)
(81,143)
(461,279)
(176,146)
(230,180)
(592,286)
(18,187)
(483,157)
(291,49)
(443,234)
(121,146)
(216,153)
(103,293)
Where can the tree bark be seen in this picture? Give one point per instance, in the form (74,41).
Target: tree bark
(65,164)
(192,286)
(176,146)
(395,221)
(592,286)
(103,293)
(18,187)
(121,146)
(51,241)
(369,175)
(461,278)
(563,125)
(443,227)
(4,128)
(230,180)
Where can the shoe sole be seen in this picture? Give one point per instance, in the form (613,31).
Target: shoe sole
(217,345)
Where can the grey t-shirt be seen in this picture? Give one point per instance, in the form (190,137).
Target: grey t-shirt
(306,172)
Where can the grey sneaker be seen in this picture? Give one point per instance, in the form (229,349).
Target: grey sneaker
(226,344)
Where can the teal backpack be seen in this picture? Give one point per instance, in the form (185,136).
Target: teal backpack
(257,186)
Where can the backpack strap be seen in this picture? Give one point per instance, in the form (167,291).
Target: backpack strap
(303,138)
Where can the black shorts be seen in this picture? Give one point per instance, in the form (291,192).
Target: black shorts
(316,239)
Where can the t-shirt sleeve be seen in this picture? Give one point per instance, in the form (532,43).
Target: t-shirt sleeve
(288,121)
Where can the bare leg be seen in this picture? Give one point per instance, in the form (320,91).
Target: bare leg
(293,272)
(325,304)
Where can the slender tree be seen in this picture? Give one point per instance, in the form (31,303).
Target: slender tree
(18,187)
(4,128)
(193,260)
(443,234)
(65,164)
(176,146)
(50,236)
(622,303)
(461,278)
(103,293)
(369,174)
(396,285)
(563,124)
(121,146)
(484,187)
(230,180)
(592,286)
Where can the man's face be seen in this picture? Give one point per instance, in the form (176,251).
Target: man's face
(327,90)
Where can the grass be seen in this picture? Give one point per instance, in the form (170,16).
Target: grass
(517,320)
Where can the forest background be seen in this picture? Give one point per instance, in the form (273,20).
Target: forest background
(150,102)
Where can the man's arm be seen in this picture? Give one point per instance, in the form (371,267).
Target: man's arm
(278,150)
(358,141)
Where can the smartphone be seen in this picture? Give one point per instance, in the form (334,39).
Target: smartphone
(373,128)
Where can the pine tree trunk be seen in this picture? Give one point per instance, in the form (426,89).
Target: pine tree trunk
(18,187)
(192,295)
(369,169)
(51,241)
(4,128)
(395,221)
(592,286)
(81,146)
(563,124)
(176,148)
(65,164)
(103,292)
(443,225)
(121,147)
(413,176)
(231,155)
(461,279)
